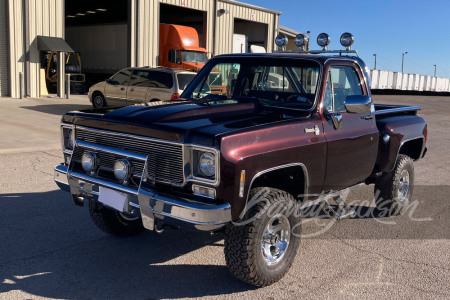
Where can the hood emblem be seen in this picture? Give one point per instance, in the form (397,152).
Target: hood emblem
(314,130)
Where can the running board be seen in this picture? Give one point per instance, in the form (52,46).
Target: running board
(342,212)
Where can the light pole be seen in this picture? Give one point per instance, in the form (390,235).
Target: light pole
(403,59)
(434,70)
(375,62)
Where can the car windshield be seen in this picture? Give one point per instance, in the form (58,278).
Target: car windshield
(288,83)
(193,56)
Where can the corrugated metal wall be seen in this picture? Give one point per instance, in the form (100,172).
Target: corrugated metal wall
(388,80)
(225,24)
(16,46)
(148,32)
(4,50)
(148,22)
(45,17)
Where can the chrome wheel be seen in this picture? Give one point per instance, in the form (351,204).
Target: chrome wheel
(275,239)
(403,185)
(98,101)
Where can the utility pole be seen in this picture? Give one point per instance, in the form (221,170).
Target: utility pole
(403,59)
(375,62)
(434,70)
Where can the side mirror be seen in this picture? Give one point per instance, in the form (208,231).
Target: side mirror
(358,104)
(108,80)
(337,120)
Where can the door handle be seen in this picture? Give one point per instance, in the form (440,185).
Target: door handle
(367,117)
(122,89)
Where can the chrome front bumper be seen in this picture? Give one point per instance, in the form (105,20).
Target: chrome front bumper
(152,205)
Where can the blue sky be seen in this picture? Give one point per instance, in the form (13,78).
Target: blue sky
(387,28)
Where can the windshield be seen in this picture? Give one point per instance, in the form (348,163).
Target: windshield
(193,56)
(289,83)
(215,78)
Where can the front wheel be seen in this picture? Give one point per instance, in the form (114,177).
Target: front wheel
(114,222)
(98,100)
(394,189)
(261,249)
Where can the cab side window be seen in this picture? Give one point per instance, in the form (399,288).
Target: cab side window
(328,97)
(174,56)
(139,78)
(160,80)
(122,77)
(342,81)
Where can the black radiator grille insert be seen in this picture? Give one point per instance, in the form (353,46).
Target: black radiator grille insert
(166,159)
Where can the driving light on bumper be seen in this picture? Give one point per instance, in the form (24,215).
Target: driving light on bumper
(88,161)
(122,169)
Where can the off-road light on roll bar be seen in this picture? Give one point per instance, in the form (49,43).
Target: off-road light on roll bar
(347,40)
(281,40)
(301,40)
(323,40)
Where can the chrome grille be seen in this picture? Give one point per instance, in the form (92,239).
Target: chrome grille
(166,159)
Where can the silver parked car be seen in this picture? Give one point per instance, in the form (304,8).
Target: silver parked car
(140,85)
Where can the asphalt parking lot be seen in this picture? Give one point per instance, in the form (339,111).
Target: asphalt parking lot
(50,249)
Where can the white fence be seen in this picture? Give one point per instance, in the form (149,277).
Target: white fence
(387,80)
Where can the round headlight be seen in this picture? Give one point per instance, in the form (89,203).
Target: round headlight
(71,138)
(347,39)
(281,40)
(323,40)
(301,40)
(88,161)
(207,164)
(122,169)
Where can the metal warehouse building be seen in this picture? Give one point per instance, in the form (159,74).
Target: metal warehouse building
(30,27)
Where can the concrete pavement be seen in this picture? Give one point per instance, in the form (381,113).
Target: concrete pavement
(33,124)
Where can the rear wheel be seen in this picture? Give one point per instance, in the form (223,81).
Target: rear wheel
(98,100)
(394,189)
(114,222)
(262,251)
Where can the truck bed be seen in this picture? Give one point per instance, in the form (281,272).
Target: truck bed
(385,110)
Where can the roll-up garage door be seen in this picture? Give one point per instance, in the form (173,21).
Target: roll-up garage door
(4,50)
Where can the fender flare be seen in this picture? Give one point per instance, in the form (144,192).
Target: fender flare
(265,171)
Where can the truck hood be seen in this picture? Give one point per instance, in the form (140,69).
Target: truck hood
(190,123)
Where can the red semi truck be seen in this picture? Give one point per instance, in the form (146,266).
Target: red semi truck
(179,48)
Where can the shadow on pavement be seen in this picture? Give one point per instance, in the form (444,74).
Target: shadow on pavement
(57,109)
(50,248)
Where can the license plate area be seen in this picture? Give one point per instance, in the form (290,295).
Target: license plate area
(114,199)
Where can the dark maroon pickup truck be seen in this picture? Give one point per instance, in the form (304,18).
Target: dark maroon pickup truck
(289,128)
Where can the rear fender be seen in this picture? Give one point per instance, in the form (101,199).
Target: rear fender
(399,135)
